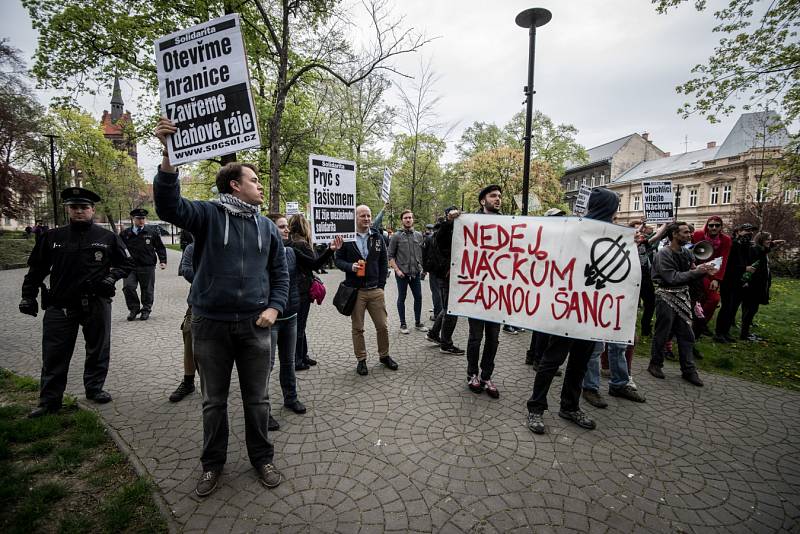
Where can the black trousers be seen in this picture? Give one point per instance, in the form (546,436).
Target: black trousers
(145,278)
(730,295)
(489,333)
(579,351)
(668,323)
(59,334)
(647,294)
(445,324)
(539,341)
(749,310)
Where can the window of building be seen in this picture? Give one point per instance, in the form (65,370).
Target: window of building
(762,193)
(713,198)
(693,197)
(791,196)
(726,194)
(733,158)
(636,202)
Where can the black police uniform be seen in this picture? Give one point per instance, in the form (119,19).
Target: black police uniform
(84,262)
(144,247)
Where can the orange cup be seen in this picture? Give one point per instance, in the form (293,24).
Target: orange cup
(362,268)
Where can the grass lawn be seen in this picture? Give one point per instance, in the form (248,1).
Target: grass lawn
(15,251)
(774,361)
(173,247)
(62,473)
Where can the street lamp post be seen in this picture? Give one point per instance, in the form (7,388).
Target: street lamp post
(53,187)
(530,18)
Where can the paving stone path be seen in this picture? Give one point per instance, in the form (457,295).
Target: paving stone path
(415,451)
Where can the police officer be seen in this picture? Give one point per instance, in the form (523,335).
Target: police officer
(84,262)
(144,243)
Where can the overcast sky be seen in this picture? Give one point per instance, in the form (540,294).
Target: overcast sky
(608,67)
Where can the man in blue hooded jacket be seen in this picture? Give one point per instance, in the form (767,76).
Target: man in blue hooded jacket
(241,284)
(602,206)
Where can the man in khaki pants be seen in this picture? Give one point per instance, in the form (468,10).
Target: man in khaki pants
(365,264)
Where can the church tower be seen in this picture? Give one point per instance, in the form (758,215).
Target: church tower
(117,124)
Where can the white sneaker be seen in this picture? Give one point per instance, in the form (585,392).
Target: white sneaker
(632,384)
(421,327)
(403,329)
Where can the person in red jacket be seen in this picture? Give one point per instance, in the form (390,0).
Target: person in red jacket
(712,232)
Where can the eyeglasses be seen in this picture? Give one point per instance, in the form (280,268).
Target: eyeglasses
(714,225)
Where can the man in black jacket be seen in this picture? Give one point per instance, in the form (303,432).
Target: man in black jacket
(730,290)
(144,244)
(365,263)
(84,262)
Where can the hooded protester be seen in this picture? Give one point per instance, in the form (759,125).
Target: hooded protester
(602,206)
(721,243)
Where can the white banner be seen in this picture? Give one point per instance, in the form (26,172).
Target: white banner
(204,87)
(292,208)
(582,200)
(386,187)
(559,275)
(332,196)
(659,201)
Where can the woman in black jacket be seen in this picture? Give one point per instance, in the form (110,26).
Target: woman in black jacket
(307,262)
(756,282)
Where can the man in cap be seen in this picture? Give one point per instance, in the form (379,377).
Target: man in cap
(144,244)
(489,199)
(84,262)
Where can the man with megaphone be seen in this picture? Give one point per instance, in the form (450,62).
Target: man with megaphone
(710,243)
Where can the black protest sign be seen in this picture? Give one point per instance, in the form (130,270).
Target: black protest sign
(204,86)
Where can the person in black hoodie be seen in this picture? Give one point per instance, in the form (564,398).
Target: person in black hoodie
(365,263)
(602,206)
(241,285)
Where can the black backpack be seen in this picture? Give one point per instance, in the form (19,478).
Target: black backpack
(432,258)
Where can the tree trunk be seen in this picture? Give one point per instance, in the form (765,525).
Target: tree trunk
(277,117)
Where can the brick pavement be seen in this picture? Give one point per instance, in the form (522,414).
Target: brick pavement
(415,451)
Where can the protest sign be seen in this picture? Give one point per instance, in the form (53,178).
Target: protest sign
(565,276)
(292,208)
(332,195)
(658,201)
(582,200)
(386,188)
(204,87)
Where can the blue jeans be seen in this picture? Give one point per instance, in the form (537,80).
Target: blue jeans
(217,346)
(617,364)
(415,283)
(284,341)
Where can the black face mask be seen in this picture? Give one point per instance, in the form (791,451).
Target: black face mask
(744,239)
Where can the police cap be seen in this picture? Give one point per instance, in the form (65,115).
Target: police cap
(139,212)
(79,195)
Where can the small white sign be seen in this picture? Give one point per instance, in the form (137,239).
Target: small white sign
(332,198)
(292,208)
(204,86)
(659,201)
(582,200)
(386,187)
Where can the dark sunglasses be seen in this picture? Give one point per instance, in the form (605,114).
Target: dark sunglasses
(714,225)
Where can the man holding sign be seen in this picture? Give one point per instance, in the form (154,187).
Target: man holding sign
(602,206)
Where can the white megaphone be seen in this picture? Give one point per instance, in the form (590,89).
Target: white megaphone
(703,250)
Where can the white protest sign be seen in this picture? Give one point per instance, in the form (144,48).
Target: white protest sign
(582,200)
(332,195)
(292,208)
(204,87)
(659,201)
(386,187)
(565,276)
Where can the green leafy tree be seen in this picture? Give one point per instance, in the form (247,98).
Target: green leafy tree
(757,58)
